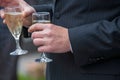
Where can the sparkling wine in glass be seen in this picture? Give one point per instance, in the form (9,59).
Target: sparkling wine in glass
(41,17)
(14,20)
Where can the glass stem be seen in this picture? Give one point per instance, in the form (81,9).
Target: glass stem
(43,54)
(17,43)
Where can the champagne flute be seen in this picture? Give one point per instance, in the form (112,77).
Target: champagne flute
(14,20)
(41,17)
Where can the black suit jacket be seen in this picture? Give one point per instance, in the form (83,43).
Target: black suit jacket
(94,32)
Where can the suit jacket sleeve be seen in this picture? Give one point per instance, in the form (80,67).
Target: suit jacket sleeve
(96,42)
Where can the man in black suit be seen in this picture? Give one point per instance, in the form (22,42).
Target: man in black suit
(8,64)
(83,39)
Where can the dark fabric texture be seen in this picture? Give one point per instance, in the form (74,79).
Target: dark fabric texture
(8,64)
(94,32)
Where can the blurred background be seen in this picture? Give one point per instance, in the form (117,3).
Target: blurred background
(28,69)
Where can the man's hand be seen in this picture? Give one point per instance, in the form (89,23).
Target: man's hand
(27,9)
(6,3)
(50,38)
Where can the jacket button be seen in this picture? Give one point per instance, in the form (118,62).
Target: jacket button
(102,58)
(98,59)
(92,60)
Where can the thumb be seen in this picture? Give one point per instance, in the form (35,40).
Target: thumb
(27,9)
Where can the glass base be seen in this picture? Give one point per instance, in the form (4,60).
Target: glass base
(43,59)
(19,52)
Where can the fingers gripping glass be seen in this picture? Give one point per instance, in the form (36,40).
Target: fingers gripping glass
(14,20)
(41,17)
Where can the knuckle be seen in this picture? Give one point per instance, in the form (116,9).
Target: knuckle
(48,33)
(50,26)
(33,35)
(35,42)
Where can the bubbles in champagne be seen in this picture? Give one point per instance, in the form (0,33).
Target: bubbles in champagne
(14,22)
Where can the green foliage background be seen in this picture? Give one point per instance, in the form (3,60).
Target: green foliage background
(25,77)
